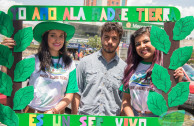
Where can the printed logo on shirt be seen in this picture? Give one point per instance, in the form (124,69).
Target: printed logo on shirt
(144,88)
(139,79)
(53,77)
(57,69)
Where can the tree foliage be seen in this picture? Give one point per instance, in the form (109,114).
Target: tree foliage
(94,42)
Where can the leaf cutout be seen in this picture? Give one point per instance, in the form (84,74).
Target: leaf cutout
(156,103)
(170,118)
(6,24)
(161,78)
(8,116)
(5,84)
(6,57)
(159,39)
(23,97)
(183,28)
(179,94)
(23,39)
(180,56)
(24,69)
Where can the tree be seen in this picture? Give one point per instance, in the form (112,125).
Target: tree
(94,42)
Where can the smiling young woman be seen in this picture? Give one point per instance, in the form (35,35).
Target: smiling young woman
(54,77)
(137,81)
(55,41)
(144,47)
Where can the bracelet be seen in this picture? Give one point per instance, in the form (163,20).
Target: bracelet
(54,111)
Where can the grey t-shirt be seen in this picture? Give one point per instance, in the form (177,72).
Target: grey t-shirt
(98,83)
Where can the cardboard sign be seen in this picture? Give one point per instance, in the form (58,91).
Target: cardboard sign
(94,14)
(91,14)
(32,119)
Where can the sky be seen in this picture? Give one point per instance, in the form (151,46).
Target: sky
(186,7)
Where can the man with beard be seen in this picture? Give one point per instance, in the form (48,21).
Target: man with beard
(99,77)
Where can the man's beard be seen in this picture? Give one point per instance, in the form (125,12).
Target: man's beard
(109,51)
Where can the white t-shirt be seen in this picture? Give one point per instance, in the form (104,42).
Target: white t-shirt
(50,86)
(139,87)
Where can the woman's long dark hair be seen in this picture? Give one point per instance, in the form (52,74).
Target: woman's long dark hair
(45,56)
(133,59)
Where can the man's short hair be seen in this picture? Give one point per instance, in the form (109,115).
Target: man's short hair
(109,26)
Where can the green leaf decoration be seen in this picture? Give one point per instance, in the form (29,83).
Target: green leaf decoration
(183,28)
(8,116)
(159,39)
(24,69)
(6,24)
(156,103)
(161,78)
(23,97)
(23,39)
(175,118)
(5,84)
(180,56)
(179,94)
(6,57)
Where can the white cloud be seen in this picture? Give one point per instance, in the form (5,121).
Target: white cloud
(139,2)
(186,11)
(6,4)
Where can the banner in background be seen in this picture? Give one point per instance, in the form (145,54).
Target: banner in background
(137,25)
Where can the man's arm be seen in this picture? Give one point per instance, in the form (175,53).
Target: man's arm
(80,81)
(75,104)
